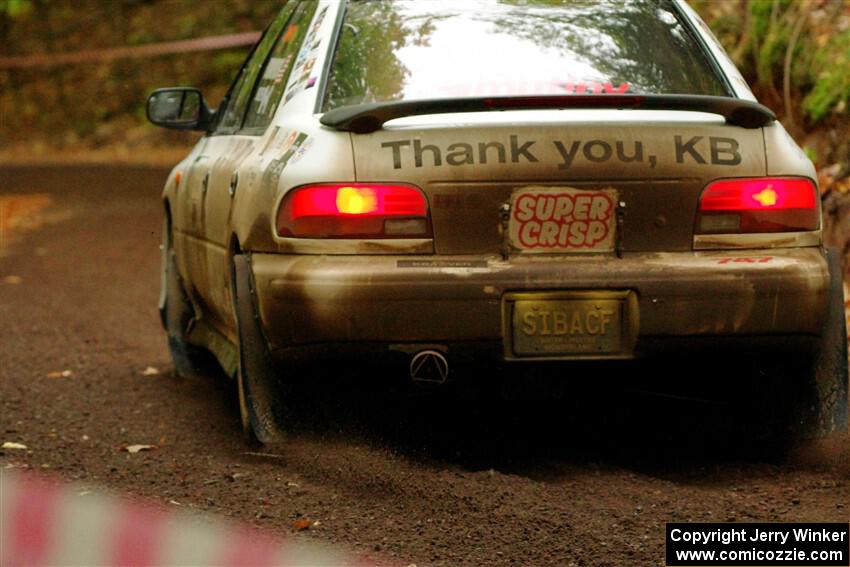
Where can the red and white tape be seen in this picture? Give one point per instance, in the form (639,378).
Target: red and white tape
(46,523)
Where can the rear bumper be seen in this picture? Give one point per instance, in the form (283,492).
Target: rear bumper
(314,300)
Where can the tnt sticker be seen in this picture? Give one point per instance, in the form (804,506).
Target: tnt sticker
(562,219)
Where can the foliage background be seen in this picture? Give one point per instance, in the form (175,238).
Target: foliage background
(100,106)
(796,56)
(794,53)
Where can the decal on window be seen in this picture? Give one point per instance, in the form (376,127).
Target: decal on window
(305,62)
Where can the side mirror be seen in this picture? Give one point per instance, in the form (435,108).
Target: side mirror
(179,108)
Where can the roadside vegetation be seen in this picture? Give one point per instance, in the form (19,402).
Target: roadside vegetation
(99,107)
(795,54)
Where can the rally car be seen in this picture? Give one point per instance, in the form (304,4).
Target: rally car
(517,184)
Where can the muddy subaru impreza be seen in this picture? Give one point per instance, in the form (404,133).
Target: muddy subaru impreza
(516,184)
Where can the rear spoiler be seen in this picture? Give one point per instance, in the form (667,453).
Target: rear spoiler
(369,117)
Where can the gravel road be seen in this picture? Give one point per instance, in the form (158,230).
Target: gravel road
(429,479)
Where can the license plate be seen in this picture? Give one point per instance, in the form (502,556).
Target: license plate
(564,325)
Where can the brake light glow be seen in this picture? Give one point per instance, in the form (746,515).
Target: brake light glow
(764,204)
(356,200)
(354,210)
(767,197)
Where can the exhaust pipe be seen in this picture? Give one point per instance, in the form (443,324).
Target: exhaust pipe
(429,366)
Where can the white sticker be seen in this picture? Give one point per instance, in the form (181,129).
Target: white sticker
(273,68)
(562,219)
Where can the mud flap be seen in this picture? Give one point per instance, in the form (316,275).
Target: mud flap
(256,376)
(177,314)
(163,273)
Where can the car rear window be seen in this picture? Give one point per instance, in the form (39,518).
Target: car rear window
(405,50)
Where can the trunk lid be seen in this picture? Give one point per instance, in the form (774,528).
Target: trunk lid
(635,175)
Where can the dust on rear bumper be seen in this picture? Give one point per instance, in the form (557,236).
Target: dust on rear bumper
(312,299)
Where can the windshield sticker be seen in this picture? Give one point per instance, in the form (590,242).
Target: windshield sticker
(694,150)
(306,59)
(262,97)
(559,219)
(275,66)
(290,33)
(281,73)
(314,28)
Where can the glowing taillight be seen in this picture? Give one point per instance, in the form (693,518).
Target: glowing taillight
(762,204)
(356,200)
(354,210)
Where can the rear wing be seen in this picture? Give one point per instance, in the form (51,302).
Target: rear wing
(369,117)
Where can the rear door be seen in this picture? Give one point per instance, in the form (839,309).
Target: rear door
(206,195)
(237,160)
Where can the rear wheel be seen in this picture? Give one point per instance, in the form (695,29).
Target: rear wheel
(260,400)
(824,408)
(176,312)
(806,398)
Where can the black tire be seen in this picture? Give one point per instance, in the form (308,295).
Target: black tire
(824,410)
(177,313)
(260,401)
(798,397)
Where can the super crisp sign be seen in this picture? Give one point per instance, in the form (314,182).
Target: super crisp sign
(562,219)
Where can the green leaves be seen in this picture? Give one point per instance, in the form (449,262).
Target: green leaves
(15,8)
(831,91)
(794,53)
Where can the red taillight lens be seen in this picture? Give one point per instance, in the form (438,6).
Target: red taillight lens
(762,204)
(354,210)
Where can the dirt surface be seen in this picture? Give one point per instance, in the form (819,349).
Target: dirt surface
(429,479)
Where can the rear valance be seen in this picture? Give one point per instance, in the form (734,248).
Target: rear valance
(369,117)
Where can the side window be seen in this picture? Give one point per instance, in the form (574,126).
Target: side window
(239,94)
(275,75)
